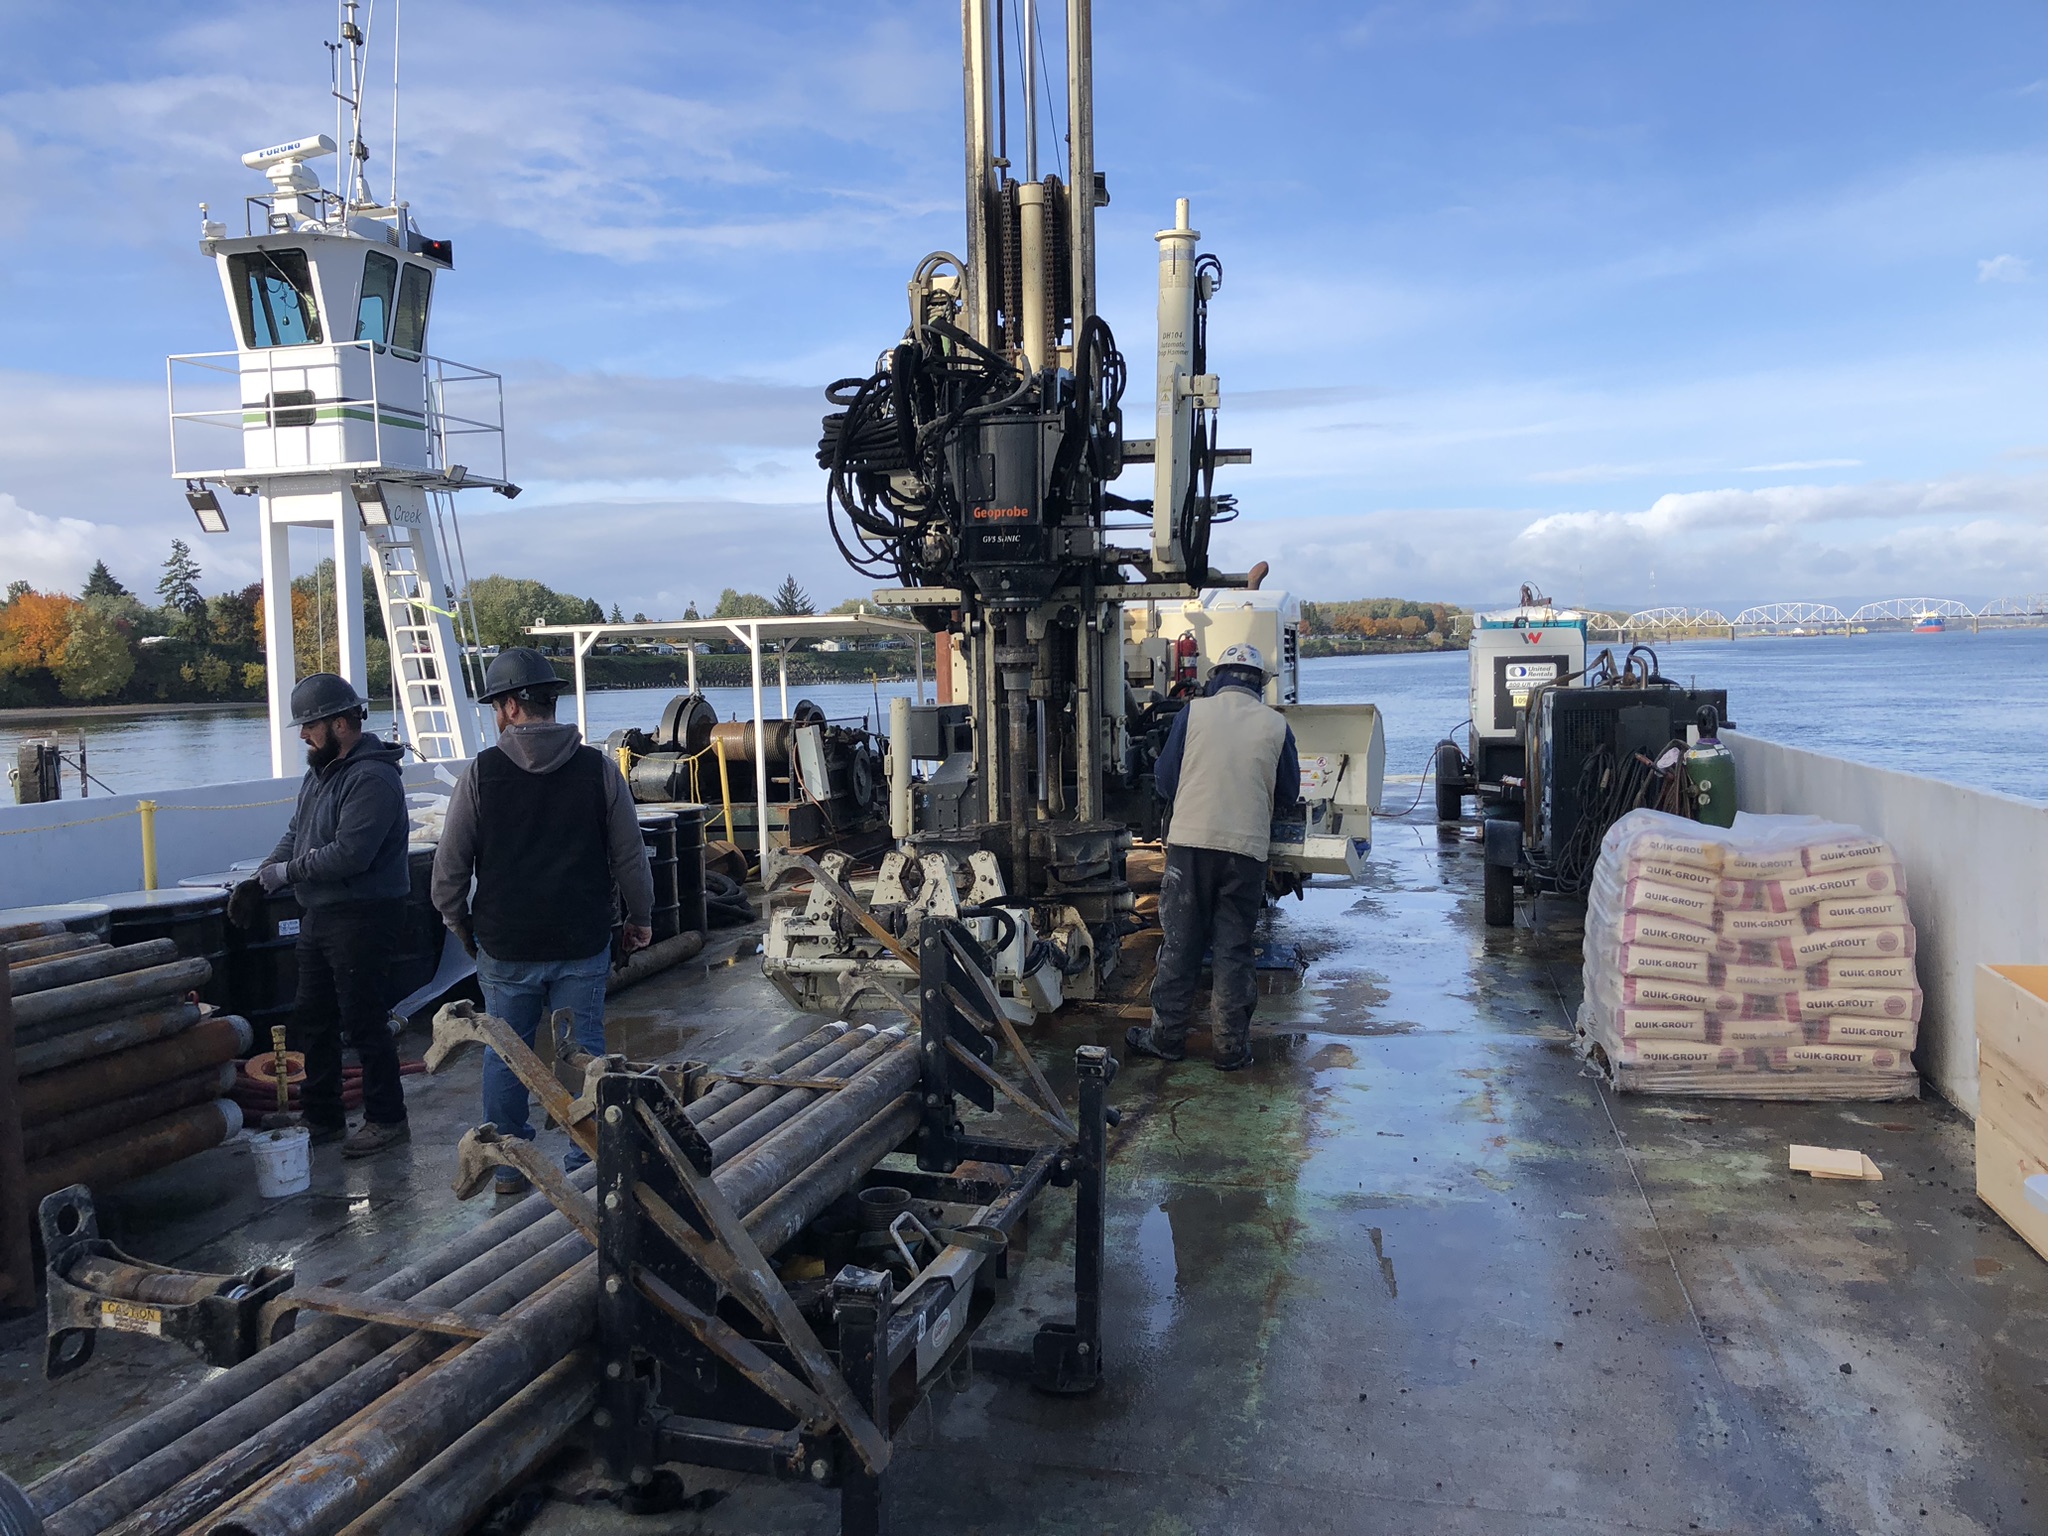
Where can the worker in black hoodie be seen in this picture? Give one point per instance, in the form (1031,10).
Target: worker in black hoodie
(344,858)
(547,829)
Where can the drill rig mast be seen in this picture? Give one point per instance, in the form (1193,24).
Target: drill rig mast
(971,471)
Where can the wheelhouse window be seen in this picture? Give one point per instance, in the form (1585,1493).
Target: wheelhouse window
(274,298)
(409,321)
(373,307)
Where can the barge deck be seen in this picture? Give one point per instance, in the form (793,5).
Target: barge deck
(1416,1272)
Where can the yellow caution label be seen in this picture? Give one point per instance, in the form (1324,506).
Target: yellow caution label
(131,1317)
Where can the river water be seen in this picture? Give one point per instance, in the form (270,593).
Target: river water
(1954,706)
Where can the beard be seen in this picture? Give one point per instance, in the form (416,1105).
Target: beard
(319,757)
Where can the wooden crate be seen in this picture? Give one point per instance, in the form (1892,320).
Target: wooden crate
(2012,1093)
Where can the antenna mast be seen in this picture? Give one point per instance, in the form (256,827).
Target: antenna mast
(355,179)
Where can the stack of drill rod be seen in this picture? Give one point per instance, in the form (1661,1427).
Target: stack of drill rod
(363,1427)
(120,1072)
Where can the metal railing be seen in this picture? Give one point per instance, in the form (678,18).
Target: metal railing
(460,408)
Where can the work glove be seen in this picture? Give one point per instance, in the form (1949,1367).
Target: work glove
(245,904)
(275,877)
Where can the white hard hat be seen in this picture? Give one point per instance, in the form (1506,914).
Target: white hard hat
(1241,655)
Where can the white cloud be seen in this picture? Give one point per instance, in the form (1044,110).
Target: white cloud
(51,554)
(2005,269)
(1794,466)
(1961,536)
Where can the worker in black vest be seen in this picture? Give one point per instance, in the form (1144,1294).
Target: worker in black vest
(546,827)
(343,855)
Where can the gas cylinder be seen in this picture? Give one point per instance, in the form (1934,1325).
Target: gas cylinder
(1710,769)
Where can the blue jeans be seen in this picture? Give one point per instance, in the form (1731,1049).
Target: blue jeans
(522,993)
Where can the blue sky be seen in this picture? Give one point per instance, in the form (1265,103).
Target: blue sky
(1713,304)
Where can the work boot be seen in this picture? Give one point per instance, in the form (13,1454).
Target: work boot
(1142,1039)
(508,1183)
(1232,1055)
(319,1134)
(372,1138)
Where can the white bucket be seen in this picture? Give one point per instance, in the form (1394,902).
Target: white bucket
(284,1161)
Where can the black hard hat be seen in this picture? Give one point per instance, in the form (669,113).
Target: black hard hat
(523,671)
(322,696)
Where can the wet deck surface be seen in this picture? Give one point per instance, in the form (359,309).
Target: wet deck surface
(1415,1272)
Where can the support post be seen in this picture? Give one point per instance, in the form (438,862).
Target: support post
(279,658)
(351,653)
(580,643)
(690,651)
(975,83)
(626,1441)
(753,639)
(1092,1065)
(1081,156)
(861,1303)
(145,815)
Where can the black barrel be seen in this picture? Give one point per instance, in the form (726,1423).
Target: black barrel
(263,961)
(658,832)
(690,916)
(194,917)
(417,954)
(91,917)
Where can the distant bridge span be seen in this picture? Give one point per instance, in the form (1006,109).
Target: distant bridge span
(1811,617)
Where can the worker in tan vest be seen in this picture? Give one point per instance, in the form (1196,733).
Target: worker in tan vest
(1228,765)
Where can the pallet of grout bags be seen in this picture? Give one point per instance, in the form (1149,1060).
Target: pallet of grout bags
(1772,959)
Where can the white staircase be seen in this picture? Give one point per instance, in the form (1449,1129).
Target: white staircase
(433,699)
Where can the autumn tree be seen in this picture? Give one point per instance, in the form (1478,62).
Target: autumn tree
(97,661)
(35,627)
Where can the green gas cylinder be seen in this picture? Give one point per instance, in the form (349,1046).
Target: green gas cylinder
(1710,767)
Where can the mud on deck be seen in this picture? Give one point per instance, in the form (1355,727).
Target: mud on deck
(1415,1272)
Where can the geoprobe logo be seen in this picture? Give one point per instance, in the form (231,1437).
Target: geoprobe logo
(999,514)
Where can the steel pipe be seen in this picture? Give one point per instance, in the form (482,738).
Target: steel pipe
(336,1481)
(16,930)
(197,1409)
(705,1105)
(653,960)
(782,1215)
(792,1102)
(449,1492)
(65,943)
(216,1420)
(755,1100)
(325,1487)
(157,1144)
(90,965)
(204,1422)
(62,1092)
(171,980)
(106,1119)
(105,1039)
(227,1475)
(766,1166)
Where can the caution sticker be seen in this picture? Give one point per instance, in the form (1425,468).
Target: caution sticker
(131,1317)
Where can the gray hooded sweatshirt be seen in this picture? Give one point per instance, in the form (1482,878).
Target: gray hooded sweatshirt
(542,747)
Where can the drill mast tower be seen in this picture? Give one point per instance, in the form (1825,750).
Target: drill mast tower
(974,465)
